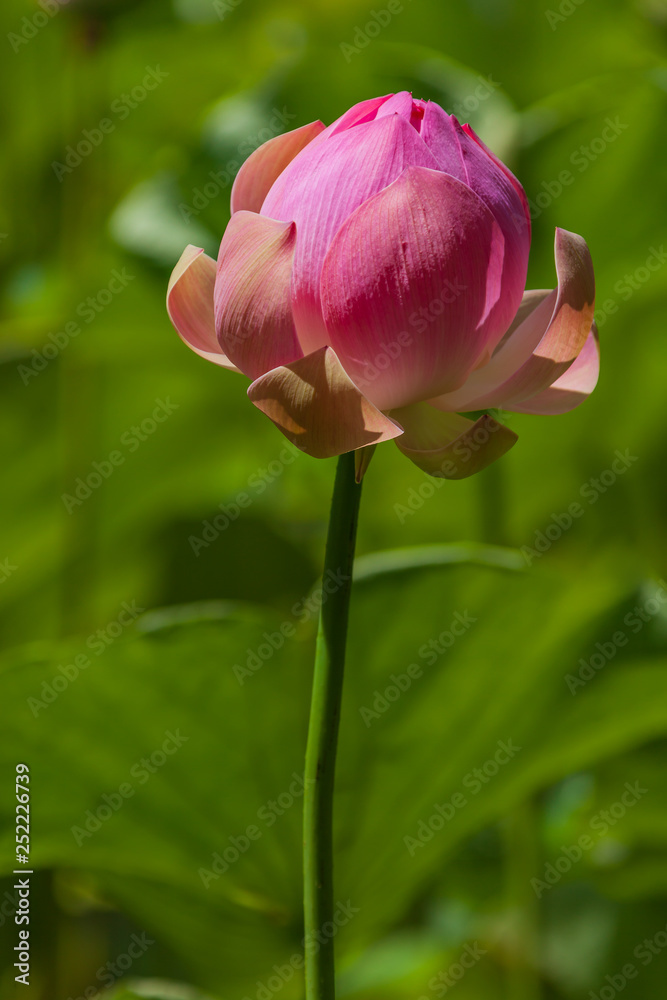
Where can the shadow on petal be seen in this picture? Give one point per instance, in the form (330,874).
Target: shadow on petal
(449,446)
(315,404)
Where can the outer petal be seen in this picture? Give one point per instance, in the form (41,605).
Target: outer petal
(460,153)
(253,313)
(264,166)
(318,408)
(448,446)
(412,276)
(500,190)
(521,222)
(544,345)
(319,190)
(573,387)
(190,305)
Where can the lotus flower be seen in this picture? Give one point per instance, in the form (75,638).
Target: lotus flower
(371,284)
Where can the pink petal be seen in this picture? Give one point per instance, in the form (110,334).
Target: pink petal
(499,190)
(448,446)
(441,135)
(398,104)
(364,111)
(319,190)
(318,408)
(190,305)
(253,313)
(544,345)
(573,387)
(521,222)
(264,166)
(461,154)
(408,285)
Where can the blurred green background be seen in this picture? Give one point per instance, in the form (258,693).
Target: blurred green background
(543,873)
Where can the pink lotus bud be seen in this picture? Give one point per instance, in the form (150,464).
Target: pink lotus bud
(371,284)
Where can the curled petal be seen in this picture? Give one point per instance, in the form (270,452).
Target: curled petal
(573,387)
(408,285)
(319,190)
(447,445)
(253,313)
(544,345)
(190,305)
(264,166)
(318,408)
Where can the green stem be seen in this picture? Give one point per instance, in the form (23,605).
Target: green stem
(323,733)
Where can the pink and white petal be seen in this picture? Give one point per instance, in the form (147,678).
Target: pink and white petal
(570,389)
(190,305)
(531,299)
(513,351)
(412,276)
(253,312)
(319,190)
(263,167)
(447,445)
(544,345)
(315,404)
